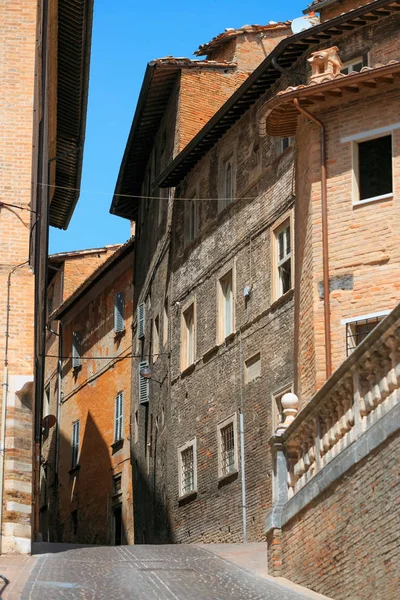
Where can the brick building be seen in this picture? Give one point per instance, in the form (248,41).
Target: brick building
(87,484)
(197,260)
(44,62)
(67,272)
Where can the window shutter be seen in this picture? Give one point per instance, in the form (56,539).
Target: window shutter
(141,314)
(119,409)
(76,349)
(75,443)
(119,312)
(144,384)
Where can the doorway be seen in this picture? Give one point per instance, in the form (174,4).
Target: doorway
(117,525)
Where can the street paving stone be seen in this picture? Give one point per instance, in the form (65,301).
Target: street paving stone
(179,572)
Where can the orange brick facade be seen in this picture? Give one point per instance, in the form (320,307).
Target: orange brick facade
(17,83)
(86,500)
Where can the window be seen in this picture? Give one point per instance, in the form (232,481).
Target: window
(119,312)
(76,349)
(188,337)
(252,368)
(356,64)
(227,447)
(357,331)
(118,417)
(277,411)
(156,338)
(225,306)
(165,322)
(74,522)
(136,426)
(191,226)
(144,384)
(46,401)
(141,314)
(373,168)
(117,484)
(227,183)
(283,256)
(75,443)
(187,466)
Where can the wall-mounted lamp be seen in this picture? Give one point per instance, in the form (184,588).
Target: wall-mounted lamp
(147,373)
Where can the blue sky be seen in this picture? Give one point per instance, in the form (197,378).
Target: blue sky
(127,34)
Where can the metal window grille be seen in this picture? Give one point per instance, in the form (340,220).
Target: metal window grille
(76,349)
(144,384)
(284,260)
(227,440)
(357,331)
(75,443)
(119,312)
(141,320)
(187,470)
(118,421)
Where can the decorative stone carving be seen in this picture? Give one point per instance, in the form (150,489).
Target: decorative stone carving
(290,406)
(325,64)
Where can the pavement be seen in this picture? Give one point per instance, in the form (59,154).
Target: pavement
(170,572)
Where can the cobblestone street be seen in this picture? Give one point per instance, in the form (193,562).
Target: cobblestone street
(177,572)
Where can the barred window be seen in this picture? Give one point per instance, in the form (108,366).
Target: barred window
(187,468)
(357,331)
(227,447)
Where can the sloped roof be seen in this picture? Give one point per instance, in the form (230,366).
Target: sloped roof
(219,40)
(263,78)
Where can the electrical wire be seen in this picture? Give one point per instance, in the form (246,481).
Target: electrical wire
(104,357)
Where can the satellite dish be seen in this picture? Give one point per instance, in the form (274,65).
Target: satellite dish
(301,24)
(49,421)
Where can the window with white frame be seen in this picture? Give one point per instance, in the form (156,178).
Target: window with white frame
(277,411)
(227,447)
(165,322)
(156,338)
(227,183)
(357,330)
(76,349)
(283,143)
(356,64)
(141,316)
(75,443)
(225,306)
(188,336)
(118,417)
(283,259)
(187,466)
(119,305)
(373,169)
(192,214)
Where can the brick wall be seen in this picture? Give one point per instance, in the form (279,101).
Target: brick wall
(17,77)
(89,395)
(345,544)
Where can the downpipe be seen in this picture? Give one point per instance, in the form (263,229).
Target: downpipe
(325,249)
(242,457)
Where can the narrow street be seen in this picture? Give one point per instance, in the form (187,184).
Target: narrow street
(179,572)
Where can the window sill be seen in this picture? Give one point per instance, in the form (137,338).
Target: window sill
(187,497)
(119,334)
(373,199)
(228,478)
(117,445)
(74,469)
(286,296)
(188,370)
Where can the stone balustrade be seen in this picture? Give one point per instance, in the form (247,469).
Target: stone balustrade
(364,388)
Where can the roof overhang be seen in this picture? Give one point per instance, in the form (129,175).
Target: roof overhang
(282,114)
(158,84)
(286,53)
(73,59)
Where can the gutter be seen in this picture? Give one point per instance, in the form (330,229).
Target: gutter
(317,7)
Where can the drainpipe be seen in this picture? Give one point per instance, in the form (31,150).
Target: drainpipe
(242,461)
(59,396)
(5,394)
(325,253)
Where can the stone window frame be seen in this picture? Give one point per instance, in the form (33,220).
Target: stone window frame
(185,359)
(191,217)
(155,342)
(228,158)
(276,408)
(365,136)
(246,367)
(119,417)
(220,333)
(279,144)
(351,321)
(287,217)
(232,419)
(190,444)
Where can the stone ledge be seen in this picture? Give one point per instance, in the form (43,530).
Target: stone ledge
(388,425)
